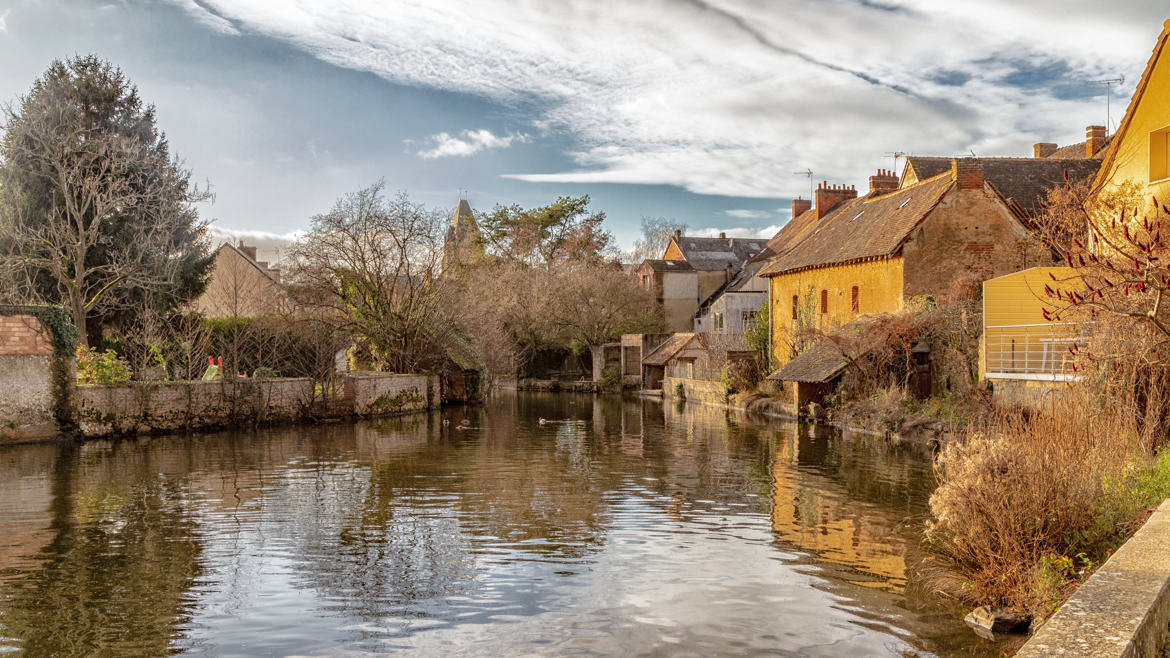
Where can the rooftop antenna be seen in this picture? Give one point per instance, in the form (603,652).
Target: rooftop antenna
(1109,98)
(895,155)
(809,173)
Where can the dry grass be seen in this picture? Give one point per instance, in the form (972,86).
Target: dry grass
(1029,504)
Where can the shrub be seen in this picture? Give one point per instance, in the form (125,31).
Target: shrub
(94,367)
(611,378)
(1024,505)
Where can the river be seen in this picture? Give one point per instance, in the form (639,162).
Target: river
(615,527)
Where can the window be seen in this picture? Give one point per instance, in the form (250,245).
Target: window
(855,299)
(746,318)
(1160,154)
(718,321)
(795,305)
(824,301)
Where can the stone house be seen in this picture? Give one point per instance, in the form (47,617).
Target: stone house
(916,236)
(242,286)
(734,306)
(691,270)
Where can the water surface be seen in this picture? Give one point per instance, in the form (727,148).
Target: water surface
(617,527)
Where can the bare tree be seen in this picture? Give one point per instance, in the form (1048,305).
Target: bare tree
(94,212)
(373,266)
(656,235)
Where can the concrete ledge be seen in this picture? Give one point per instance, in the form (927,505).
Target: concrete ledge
(1123,610)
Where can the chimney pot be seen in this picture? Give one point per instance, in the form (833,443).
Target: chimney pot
(828,197)
(885,181)
(722,234)
(677,234)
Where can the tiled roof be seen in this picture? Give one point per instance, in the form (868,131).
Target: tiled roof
(718,253)
(1023,181)
(817,364)
(1074,151)
(668,265)
(797,229)
(867,227)
(666,351)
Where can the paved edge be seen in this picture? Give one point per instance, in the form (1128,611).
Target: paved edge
(1123,610)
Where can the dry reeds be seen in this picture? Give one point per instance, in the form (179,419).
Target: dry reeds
(1031,501)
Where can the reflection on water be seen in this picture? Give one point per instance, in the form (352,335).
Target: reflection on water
(622,527)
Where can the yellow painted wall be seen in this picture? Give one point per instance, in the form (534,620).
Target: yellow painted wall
(1131,161)
(879,286)
(673,252)
(1016,336)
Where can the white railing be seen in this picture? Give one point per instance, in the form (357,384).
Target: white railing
(1033,351)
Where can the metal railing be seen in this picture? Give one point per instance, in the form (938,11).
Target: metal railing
(1033,351)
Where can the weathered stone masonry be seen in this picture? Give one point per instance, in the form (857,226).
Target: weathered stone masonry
(26,379)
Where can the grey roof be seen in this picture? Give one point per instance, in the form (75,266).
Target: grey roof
(1022,181)
(666,351)
(659,265)
(718,253)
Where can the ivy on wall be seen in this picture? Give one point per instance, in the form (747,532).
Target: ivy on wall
(64,338)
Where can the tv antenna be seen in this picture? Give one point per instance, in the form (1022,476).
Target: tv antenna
(1109,98)
(895,155)
(809,173)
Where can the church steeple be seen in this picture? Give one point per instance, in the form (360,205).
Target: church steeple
(461,246)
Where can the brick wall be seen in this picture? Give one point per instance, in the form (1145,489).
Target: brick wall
(26,379)
(148,407)
(24,335)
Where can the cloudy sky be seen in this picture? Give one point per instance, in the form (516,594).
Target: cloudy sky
(701,110)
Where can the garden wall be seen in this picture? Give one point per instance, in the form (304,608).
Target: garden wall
(26,379)
(379,393)
(147,407)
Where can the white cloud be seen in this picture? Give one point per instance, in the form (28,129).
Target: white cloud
(732,96)
(742,213)
(444,145)
(736,232)
(269,246)
(208,18)
(4,20)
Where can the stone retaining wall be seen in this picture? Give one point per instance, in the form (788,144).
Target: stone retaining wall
(26,379)
(1123,610)
(696,390)
(147,407)
(380,394)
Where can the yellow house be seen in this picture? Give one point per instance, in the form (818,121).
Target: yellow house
(1140,151)
(869,255)
(1022,337)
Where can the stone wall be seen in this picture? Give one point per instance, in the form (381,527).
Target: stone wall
(378,393)
(148,407)
(26,379)
(1123,609)
(696,390)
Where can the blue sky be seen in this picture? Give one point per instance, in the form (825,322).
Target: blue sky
(701,110)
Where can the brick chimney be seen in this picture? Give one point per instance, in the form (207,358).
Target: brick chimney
(1094,139)
(828,196)
(275,272)
(1043,149)
(250,252)
(885,181)
(967,172)
(799,206)
(722,235)
(677,234)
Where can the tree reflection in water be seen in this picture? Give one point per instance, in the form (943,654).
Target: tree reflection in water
(617,524)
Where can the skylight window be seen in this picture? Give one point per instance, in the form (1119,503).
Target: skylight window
(908,200)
